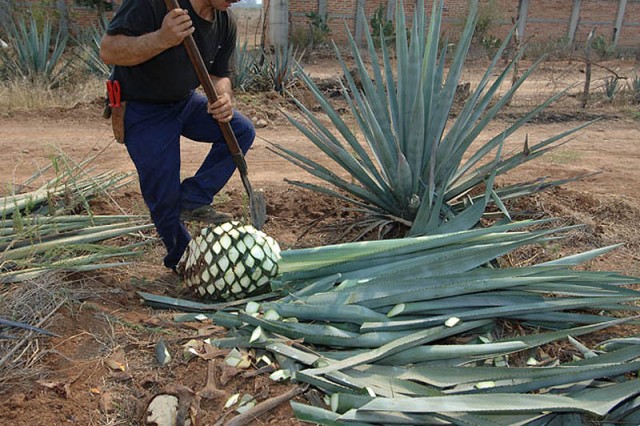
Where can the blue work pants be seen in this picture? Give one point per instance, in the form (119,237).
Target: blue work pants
(152,137)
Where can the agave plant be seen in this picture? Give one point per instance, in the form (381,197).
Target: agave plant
(413,166)
(89,49)
(610,88)
(278,70)
(634,87)
(245,68)
(36,53)
(39,232)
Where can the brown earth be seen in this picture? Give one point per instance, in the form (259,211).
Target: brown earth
(101,369)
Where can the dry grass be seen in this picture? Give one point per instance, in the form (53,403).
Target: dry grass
(249,25)
(22,95)
(33,303)
(39,303)
(603,221)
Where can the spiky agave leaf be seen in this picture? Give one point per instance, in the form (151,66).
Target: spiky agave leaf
(401,368)
(36,52)
(410,166)
(37,236)
(88,43)
(277,70)
(69,243)
(245,67)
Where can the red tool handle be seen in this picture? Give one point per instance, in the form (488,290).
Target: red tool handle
(113,90)
(198,63)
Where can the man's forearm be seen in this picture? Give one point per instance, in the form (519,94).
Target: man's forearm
(222,108)
(222,85)
(128,51)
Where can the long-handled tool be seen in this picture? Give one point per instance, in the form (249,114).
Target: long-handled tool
(257,206)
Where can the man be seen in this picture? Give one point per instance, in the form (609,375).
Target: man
(157,81)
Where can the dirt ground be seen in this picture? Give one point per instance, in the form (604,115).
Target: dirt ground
(101,370)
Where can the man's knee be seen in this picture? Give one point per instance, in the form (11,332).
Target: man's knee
(244,131)
(248,139)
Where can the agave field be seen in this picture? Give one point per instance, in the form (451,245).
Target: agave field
(443,260)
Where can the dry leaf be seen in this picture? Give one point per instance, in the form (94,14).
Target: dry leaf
(115,365)
(106,403)
(228,373)
(121,376)
(116,361)
(62,389)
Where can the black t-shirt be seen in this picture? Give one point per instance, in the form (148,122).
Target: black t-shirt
(170,76)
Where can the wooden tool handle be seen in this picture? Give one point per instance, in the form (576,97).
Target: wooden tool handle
(203,75)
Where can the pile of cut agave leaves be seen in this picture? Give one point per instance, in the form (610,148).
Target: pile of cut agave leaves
(412,331)
(47,231)
(40,231)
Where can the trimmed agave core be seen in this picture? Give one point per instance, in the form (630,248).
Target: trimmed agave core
(230,261)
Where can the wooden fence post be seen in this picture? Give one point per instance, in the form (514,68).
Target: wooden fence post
(322,8)
(391,10)
(360,22)
(617,28)
(523,10)
(63,12)
(573,22)
(587,70)
(279,22)
(517,42)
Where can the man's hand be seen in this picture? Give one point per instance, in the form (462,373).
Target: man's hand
(176,26)
(134,50)
(222,108)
